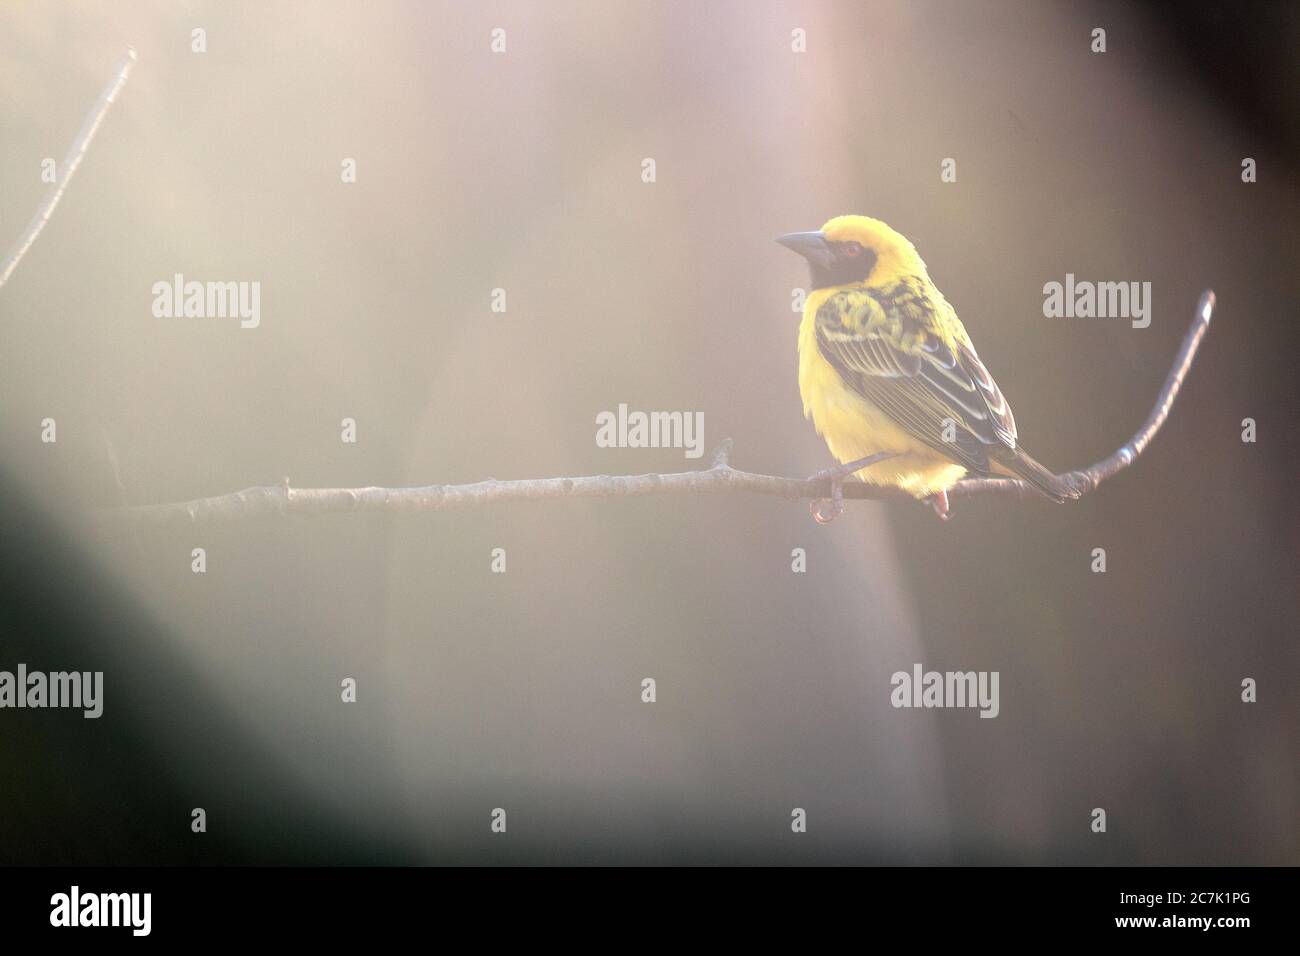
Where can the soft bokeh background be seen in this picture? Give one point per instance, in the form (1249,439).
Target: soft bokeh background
(522,690)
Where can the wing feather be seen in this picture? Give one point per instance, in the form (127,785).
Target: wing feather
(865,335)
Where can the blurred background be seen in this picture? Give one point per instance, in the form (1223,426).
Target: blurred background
(522,171)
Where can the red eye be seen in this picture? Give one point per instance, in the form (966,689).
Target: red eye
(852,249)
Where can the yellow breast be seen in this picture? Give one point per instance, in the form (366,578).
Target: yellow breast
(854,428)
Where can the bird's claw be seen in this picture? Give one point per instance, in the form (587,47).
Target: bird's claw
(939,501)
(821,517)
(835,501)
(837,476)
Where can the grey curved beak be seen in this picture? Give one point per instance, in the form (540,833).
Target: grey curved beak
(811,245)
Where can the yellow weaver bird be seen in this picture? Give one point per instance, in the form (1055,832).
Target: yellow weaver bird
(886,370)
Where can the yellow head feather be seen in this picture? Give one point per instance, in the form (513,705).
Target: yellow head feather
(895,254)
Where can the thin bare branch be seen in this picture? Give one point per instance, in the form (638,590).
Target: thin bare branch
(1087,479)
(76,152)
(718,478)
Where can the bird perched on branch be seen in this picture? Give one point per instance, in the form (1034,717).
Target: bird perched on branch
(887,370)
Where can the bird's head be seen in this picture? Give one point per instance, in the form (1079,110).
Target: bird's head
(852,250)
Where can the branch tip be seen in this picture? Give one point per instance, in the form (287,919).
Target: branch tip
(1206,306)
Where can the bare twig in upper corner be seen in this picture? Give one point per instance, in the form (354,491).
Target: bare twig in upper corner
(76,152)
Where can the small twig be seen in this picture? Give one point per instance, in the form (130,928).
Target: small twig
(719,477)
(76,152)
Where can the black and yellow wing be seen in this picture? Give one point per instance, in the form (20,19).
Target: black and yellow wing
(886,347)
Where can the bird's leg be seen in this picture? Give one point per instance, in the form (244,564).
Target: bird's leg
(939,501)
(837,476)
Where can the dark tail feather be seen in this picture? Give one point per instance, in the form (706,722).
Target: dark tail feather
(1022,466)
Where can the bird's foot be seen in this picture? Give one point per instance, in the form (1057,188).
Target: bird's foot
(820,513)
(939,501)
(835,503)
